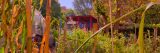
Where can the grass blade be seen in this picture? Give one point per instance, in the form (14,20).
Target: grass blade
(23,39)
(141,27)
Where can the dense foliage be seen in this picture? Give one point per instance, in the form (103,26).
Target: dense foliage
(122,44)
(16,19)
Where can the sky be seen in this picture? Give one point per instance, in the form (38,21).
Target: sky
(67,3)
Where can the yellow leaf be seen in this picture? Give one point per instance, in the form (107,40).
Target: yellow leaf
(15,11)
(153,0)
(41,2)
(18,34)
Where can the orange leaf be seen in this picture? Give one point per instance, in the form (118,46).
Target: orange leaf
(18,34)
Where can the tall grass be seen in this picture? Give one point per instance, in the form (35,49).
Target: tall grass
(45,40)
(141,28)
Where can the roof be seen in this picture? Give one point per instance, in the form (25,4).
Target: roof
(82,18)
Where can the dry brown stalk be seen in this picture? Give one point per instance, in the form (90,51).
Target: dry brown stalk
(29,27)
(45,40)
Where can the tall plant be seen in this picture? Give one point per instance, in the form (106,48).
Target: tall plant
(29,27)
(45,41)
(141,28)
(111,27)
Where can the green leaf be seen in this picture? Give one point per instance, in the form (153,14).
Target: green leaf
(2,50)
(1,33)
(140,35)
(41,2)
(23,39)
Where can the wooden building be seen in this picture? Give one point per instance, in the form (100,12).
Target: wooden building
(83,22)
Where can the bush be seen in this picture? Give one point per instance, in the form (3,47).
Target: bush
(121,44)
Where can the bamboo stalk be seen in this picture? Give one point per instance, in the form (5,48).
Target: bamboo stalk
(29,26)
(47,29)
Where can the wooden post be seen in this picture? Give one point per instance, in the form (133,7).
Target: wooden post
(78,22)
(155,39)
(90,23)
(95,28)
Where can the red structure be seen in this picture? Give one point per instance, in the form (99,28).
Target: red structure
(81,22)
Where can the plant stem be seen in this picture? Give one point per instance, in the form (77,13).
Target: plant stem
(46,34)
(111,26)
(29,26)
(141,29)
